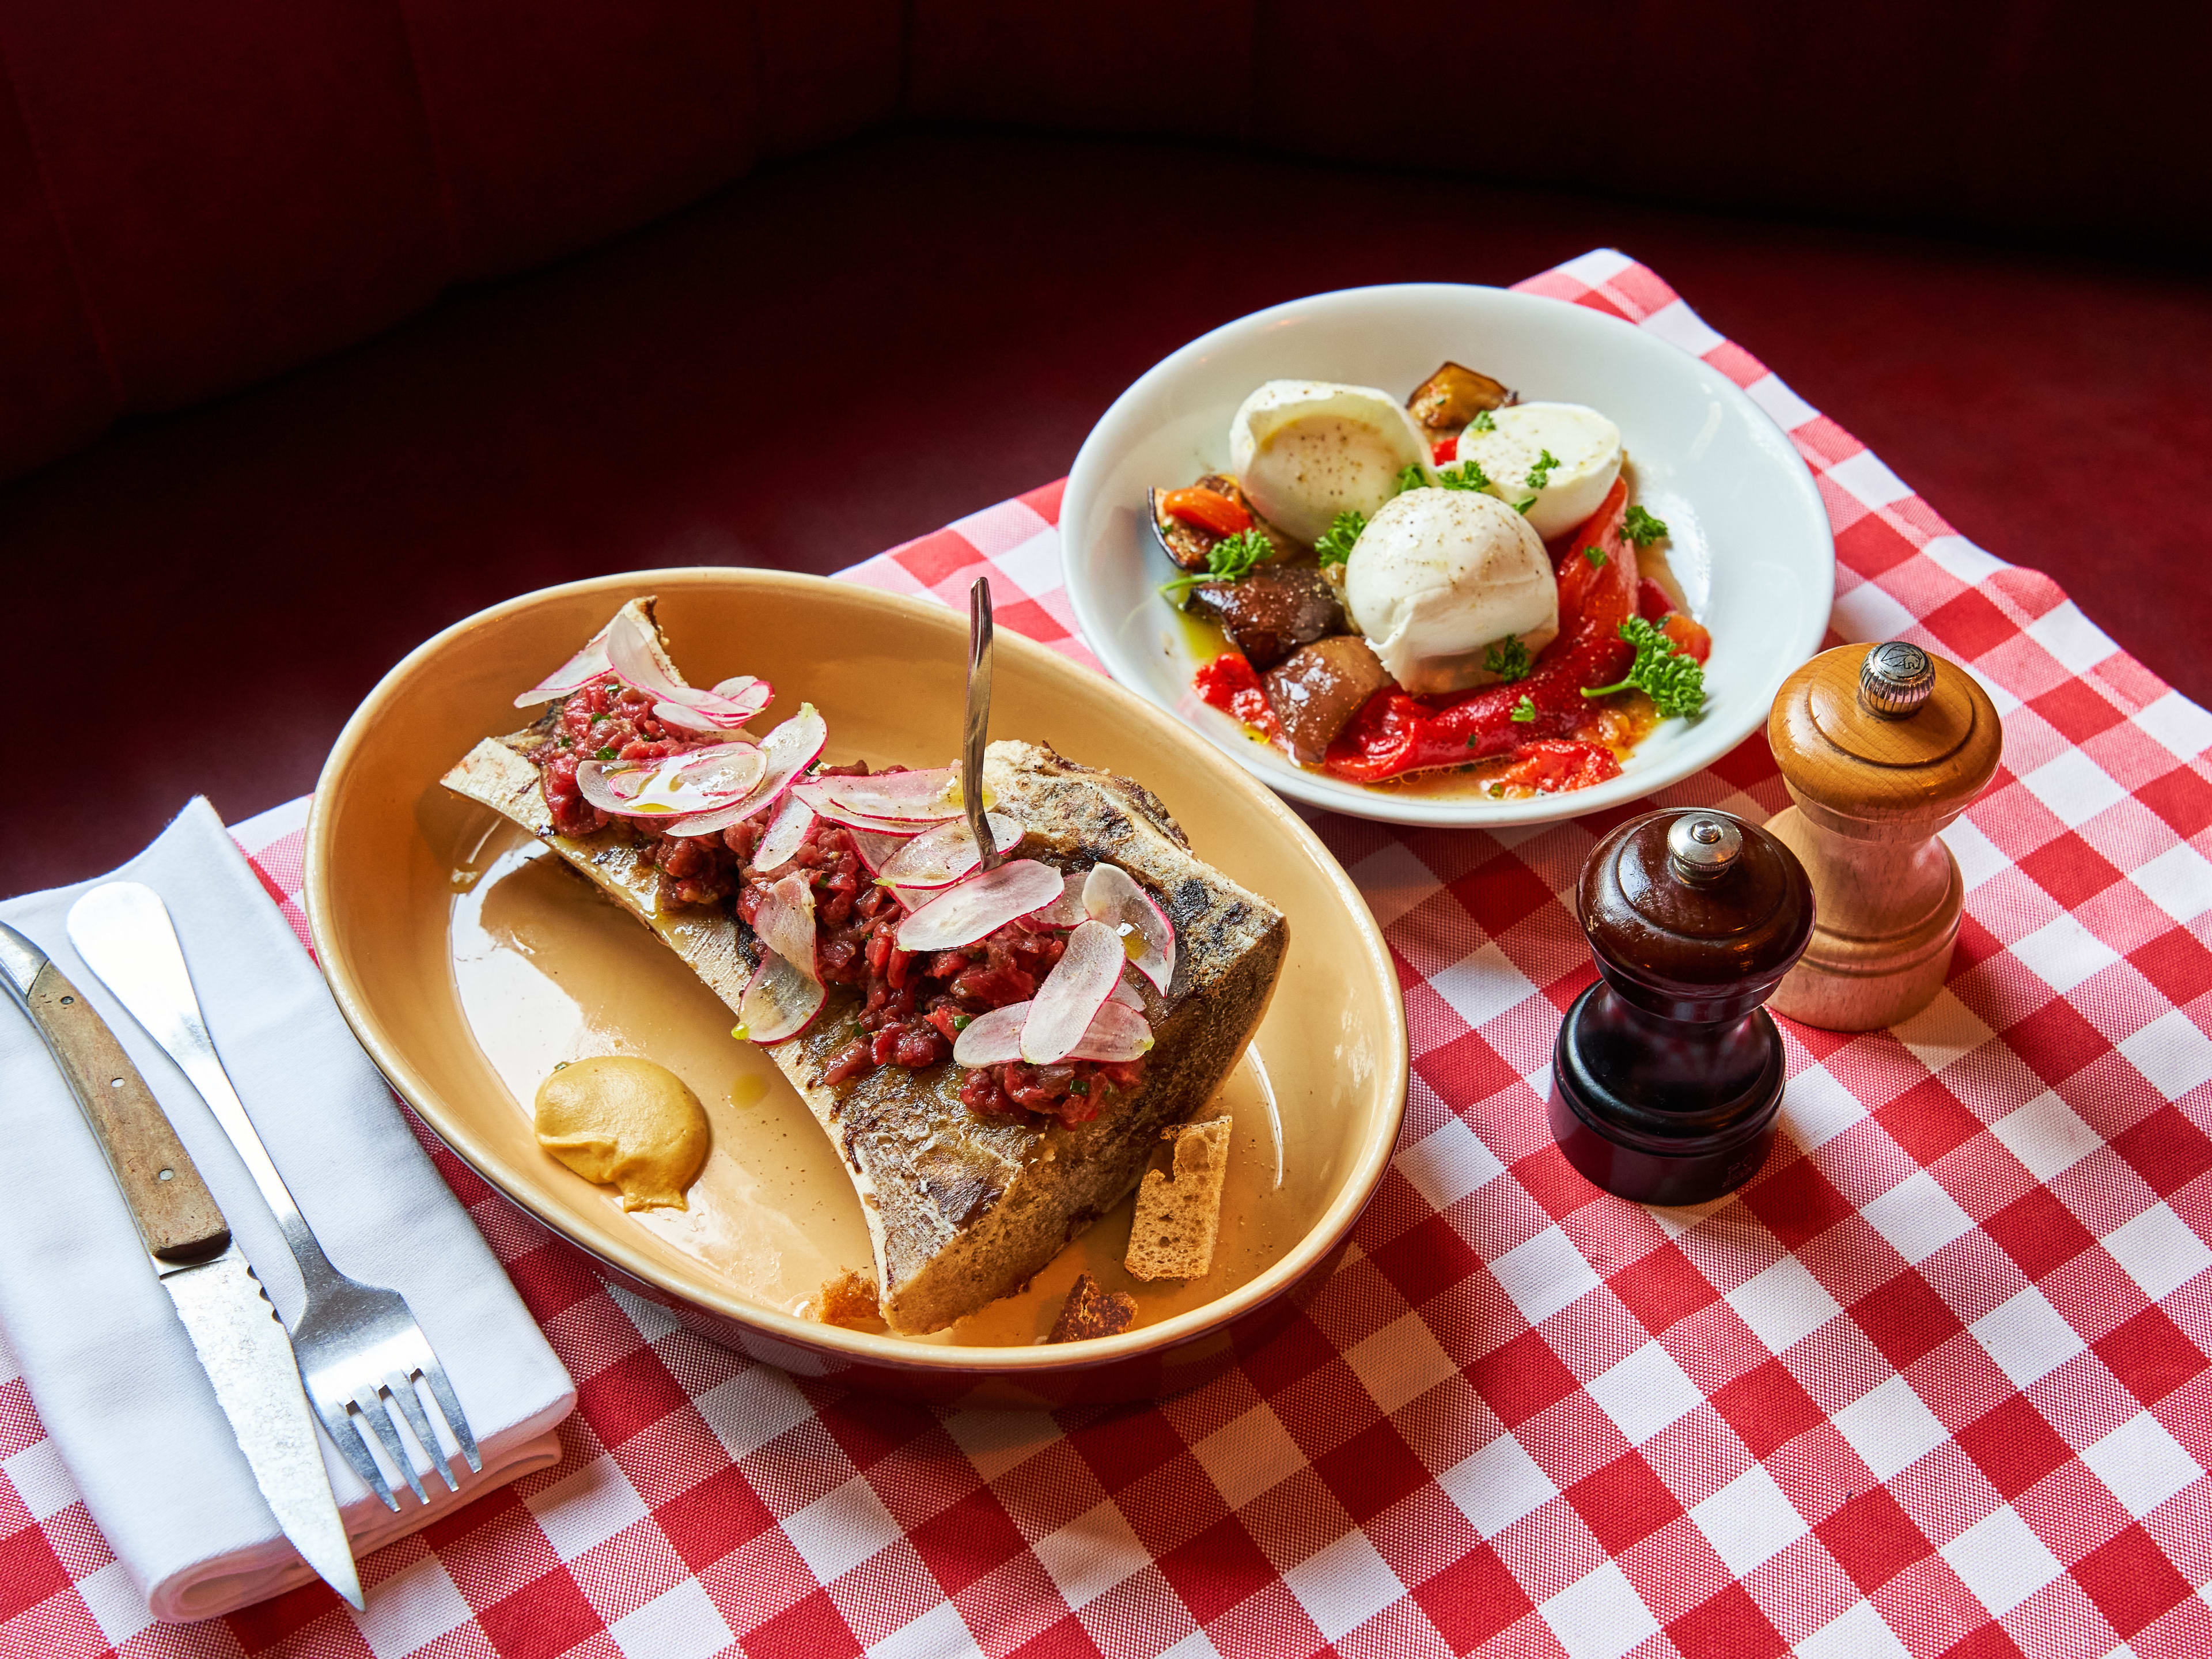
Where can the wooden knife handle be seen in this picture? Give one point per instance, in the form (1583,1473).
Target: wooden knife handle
(176,1213)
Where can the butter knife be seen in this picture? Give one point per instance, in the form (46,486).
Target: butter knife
(233,1327)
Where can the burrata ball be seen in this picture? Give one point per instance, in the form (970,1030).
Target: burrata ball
(620,1121)
(1441,576)
(1304,451)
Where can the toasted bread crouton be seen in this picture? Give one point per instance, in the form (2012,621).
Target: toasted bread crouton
(1179,1204)
(1090,1311)
(849,1300)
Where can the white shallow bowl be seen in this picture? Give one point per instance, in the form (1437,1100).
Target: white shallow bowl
(1751,543)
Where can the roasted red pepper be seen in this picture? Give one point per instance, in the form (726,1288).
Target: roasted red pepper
(1395,734)
(1230,683)
(1444,451)
(1208,509)
(1552,764)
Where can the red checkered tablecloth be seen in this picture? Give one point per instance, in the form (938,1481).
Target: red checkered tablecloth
(1935,1383)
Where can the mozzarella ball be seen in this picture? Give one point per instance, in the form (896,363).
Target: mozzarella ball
(1585,445)
(1440,576)
(1307,450)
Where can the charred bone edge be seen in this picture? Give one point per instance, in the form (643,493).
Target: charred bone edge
(942,1266)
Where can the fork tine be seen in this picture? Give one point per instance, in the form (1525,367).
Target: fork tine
(402,1387)
(449,1407)
(338,1424)
(379,1417)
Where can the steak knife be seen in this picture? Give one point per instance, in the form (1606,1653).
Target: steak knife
(233,1327)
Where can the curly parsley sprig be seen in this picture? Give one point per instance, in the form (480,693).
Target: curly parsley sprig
(1642,528)
(1412,476)
(1467,475)
(1229,560)
(1674,682)
(1335,545)
(1508,660)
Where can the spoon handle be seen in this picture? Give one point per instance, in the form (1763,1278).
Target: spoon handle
(978,730)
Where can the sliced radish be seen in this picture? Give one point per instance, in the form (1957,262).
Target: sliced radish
(784,834)
(816,793)
(580,671)
(779,1002)
(911,899)
(992,1039)
(916,798)
(747,691)
(944,853)
(1072,992)
(875,848)
(1127,995)
(630,653)
(963,914)
(1112,895)
(1067,909)
(791,749)
(785,922)
(1116,1033)
(703,780)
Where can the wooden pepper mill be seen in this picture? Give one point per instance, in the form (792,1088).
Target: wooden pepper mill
(1667,1072)
(1881,747)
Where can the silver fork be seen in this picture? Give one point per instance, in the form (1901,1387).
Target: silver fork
(359,1346)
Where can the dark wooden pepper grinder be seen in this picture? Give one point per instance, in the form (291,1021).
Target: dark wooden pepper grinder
(1668,1071)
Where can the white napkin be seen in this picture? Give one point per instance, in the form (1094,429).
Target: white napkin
(110,1368)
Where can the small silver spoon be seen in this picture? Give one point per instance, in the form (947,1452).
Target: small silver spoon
(978,732)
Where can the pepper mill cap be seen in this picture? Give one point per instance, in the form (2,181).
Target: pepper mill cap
(1884,742)
(1895,680)
(1695,914)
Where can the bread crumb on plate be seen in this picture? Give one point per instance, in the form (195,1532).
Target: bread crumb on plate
(1179,1204)
(849,1300)
(1090,1311)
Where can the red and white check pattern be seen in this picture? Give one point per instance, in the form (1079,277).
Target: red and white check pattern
(1936,1383)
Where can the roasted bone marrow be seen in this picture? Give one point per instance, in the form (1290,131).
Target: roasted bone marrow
(971,1176)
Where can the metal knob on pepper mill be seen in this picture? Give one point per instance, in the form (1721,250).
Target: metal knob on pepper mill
(1881,747)
(1667,1072)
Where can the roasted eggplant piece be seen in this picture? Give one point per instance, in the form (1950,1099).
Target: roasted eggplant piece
(1318,688)
(1186,544)
(1445,402)
(1272,611)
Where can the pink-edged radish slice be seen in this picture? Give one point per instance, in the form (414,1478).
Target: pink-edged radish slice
(746,691)
(992,1039)
(779,1002)
(911,899)
(785,922)
(944,853)
(1127,995)
(963,914)
(1067,909)
(745,695)
(1111,896)
(875,848)
(1071,994)
(915,798)
(702,781)
(580,671)
(791,749)
(630,653)
(786,833)
(1116,1033)
(815,792)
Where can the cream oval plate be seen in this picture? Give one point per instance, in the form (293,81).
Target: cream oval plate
(469,962)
